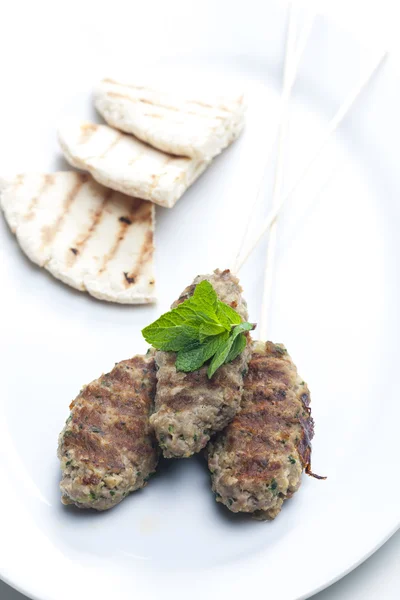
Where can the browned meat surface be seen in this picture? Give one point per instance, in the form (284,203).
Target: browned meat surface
(107,448)
(257,461)
(189,407)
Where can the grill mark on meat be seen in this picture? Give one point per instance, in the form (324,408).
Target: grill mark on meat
(124,435)
(86,447)
(81,241)
(125,405)
(109,428)
(48,180)
(113,393)
(272,431)
(49,232)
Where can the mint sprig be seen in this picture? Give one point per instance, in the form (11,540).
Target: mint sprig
(223,353)
(200,329)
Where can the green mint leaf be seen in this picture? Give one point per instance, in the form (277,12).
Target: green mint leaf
(180,327)
(242,328)
(171,332)
(226,315)
(209,329)
(200,329)
(194,358)
(219,357)
(191,315)
(238,346)
(200,310)
(224,350)
(205,297)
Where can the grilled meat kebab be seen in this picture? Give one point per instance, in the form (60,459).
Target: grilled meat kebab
(256,463)
(107,448)
(190,407)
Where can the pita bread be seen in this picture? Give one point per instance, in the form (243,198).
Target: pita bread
(123,163)
(90,237)
(193,124)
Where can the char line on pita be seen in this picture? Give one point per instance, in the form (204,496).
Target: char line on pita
(90,237)
(124,163)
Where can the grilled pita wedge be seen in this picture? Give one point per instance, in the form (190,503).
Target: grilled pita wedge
(123,163)
(182,122)
(90,237)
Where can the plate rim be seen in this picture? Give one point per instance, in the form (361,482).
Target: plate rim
(14,584)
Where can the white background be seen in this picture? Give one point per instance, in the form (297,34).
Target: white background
(378,577)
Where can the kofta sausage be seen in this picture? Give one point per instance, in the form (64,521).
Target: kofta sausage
(107,448)
(256,463)
(190,407)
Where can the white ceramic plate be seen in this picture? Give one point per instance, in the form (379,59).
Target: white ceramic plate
(335,307)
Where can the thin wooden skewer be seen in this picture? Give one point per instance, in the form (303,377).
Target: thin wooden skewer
(333,125)
(276,200)
(290,75)
(277,194)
